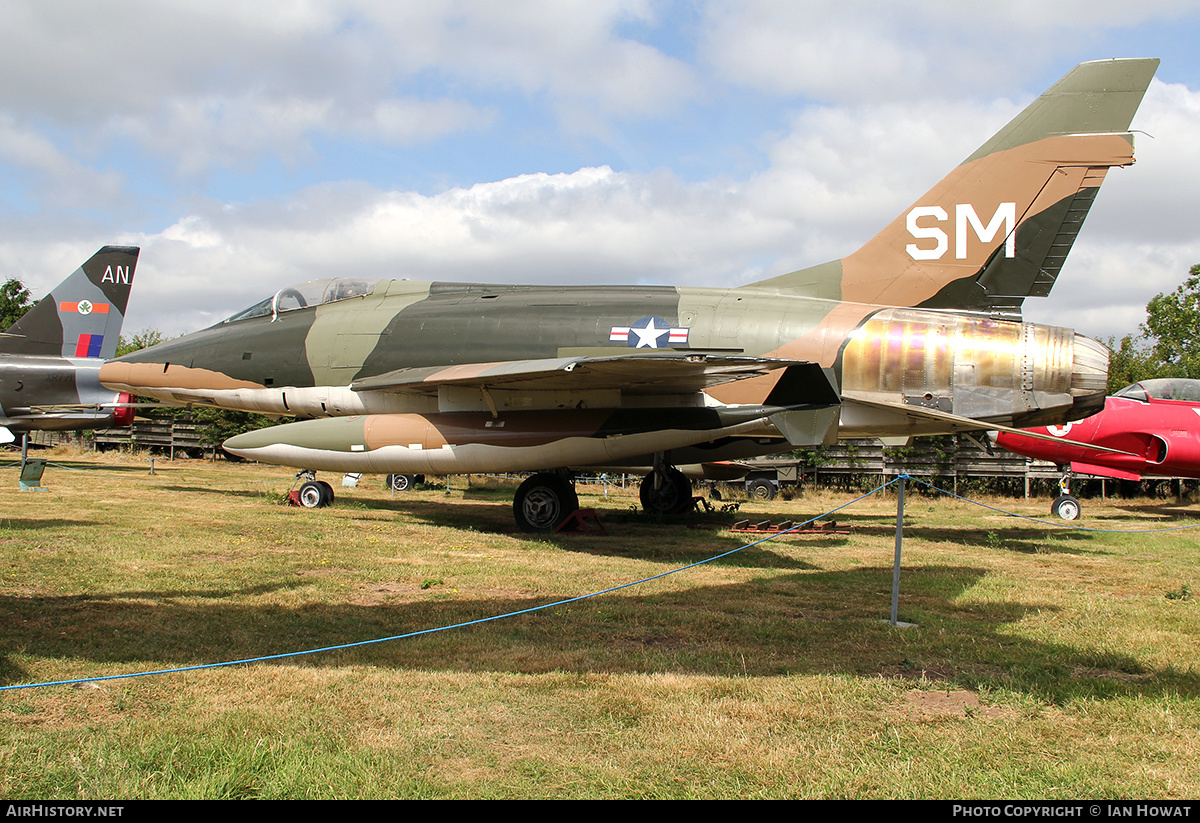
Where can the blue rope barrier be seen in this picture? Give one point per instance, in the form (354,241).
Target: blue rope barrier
(437,629)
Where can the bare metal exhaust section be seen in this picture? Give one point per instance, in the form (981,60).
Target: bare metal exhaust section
(1008,372)
(1089,377)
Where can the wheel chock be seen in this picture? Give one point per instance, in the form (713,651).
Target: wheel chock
(581,521)
(767,527)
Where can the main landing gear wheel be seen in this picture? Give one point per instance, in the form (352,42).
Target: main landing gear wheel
(315,494)
(543,502)
(404,482)
(668,495)
(1066,507)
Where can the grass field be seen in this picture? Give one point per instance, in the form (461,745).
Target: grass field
(1045,662)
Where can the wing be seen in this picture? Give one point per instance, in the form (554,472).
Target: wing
(658,373)
(803,406)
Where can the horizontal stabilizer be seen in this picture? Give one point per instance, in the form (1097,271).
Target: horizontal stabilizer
(1103,471)
(809,427)
(953,423)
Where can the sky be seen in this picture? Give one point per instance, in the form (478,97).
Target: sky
(246,146)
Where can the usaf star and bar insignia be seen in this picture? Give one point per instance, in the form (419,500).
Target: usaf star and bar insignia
(649,333)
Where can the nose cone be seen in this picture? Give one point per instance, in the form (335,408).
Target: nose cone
(1089,377)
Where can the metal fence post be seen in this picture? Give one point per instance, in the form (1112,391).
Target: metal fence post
(899,544)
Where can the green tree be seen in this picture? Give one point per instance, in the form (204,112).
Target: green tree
(14,302)
(1169,343)
(142,340)
(1130,361)
(1173,329)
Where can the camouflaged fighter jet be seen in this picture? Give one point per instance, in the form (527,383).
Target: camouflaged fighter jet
(918,332)
(50,358)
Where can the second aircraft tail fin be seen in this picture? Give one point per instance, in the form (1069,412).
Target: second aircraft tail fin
(82,316)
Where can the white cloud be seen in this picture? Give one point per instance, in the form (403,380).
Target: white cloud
(49,176)
(218,83)
(594,225)
(911,88)
(861,50)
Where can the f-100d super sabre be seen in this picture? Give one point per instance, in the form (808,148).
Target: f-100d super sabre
(918,332)
(50,358)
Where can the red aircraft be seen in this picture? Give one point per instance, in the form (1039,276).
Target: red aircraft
(1149,428)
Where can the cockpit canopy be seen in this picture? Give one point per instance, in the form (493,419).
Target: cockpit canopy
(1164,388)
(307,294)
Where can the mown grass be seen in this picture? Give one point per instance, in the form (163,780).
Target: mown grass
(1044,663)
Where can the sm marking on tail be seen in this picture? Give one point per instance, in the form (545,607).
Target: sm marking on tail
(1004,218)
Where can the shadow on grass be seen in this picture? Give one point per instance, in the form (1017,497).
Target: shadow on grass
(142,469)
(267,493)
(21,524)
(634,535)
(1028,539)
(1164,514)
(830,622)
(690,537)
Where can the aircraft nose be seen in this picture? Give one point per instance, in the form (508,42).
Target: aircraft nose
(1089,377)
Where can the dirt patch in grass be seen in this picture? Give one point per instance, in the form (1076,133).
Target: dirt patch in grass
(924,706)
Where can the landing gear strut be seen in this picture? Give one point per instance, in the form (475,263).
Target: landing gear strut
(665,490)
(544,501)
(1065,506)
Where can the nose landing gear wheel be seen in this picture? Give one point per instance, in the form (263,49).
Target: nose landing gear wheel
(1066,507)
(315,493)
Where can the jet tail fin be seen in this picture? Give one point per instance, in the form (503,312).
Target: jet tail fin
(82,316)
(998,228)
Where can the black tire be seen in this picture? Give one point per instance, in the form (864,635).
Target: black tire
(543,502)
(401,482)
(327,490)
(669,497)
(760,490)
(1066,507)
(313,496)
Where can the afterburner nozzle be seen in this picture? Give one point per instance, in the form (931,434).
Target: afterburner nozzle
(1089,377)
